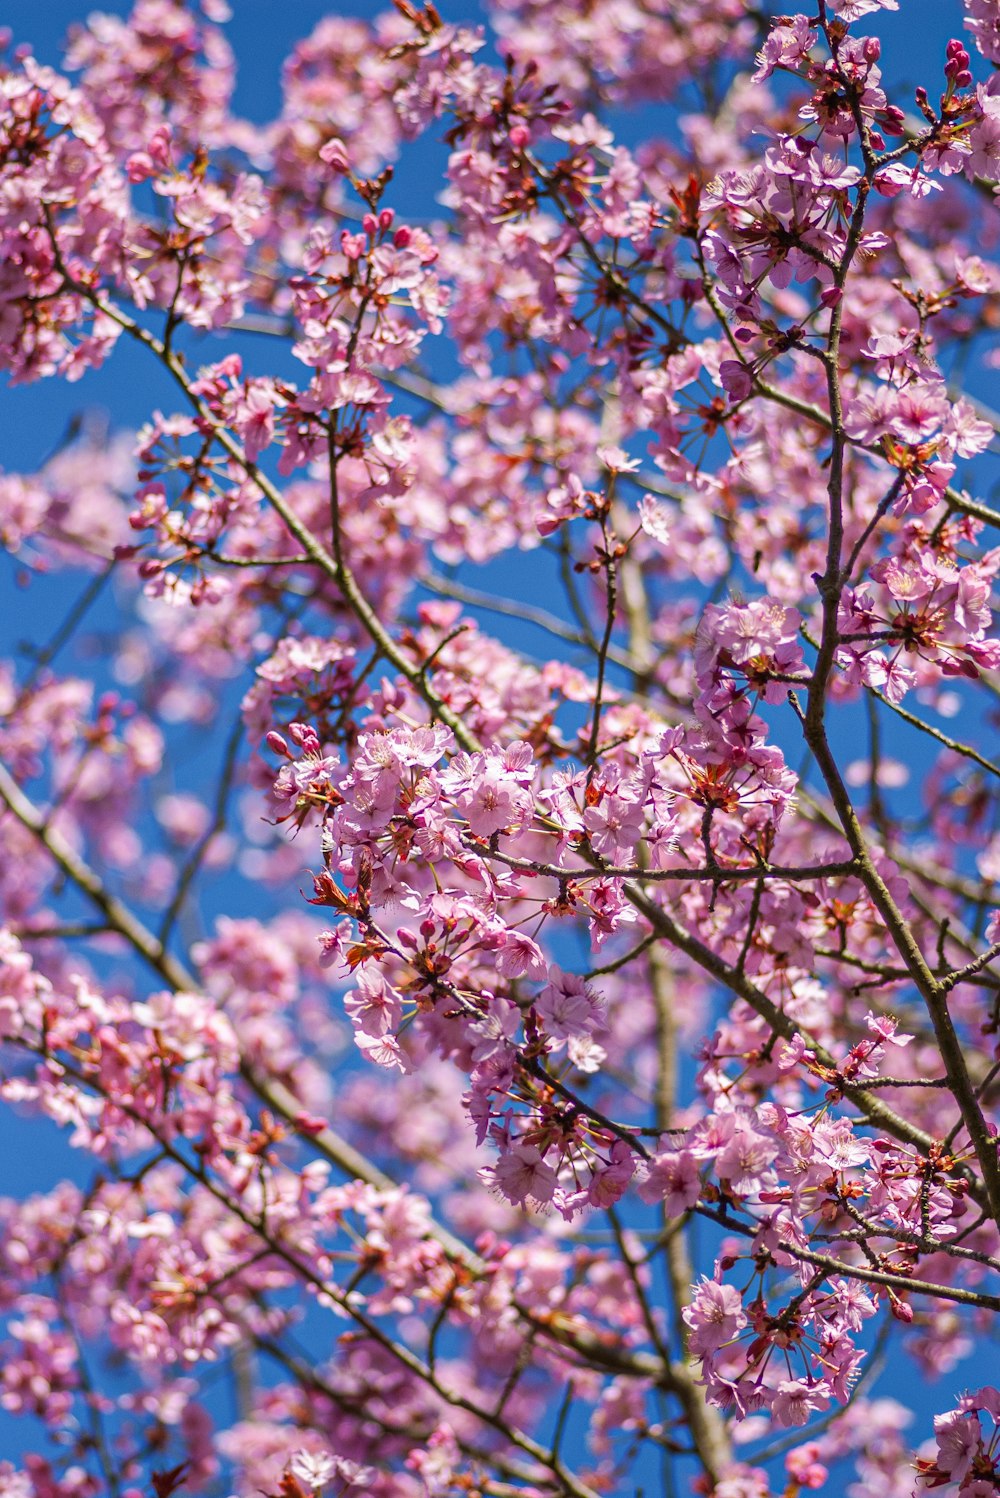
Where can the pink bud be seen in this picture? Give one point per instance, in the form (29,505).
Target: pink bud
(276,744)
(159,145)
(737,379)
(305,736)
(139,167)
(334,153)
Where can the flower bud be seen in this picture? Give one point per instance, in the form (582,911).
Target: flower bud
(334,153)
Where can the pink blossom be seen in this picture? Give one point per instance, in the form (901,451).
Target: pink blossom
(715,1316)
(959,1439)
(795,1399)
(568,1005)
(374,1006)
(522,1175)
(672,1178)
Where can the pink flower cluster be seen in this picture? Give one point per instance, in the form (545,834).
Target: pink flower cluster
(507,1041)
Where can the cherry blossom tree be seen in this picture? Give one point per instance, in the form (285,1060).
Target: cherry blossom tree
(502,830)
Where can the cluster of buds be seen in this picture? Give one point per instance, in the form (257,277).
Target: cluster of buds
(956,69)
(958,77)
